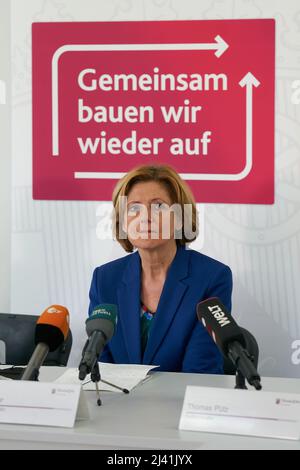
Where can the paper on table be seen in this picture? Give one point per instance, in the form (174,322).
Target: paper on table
(123,375)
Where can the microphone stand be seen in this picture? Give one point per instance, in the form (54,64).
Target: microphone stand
(85,367)
(240,382)
(33,368)
(245,368)
(96,377)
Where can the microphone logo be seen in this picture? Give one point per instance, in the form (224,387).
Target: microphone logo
(53,310)
(104,312)
(219,315)
(100,311)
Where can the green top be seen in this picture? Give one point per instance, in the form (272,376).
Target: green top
(146,323)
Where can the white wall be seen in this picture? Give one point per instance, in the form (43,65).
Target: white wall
(5,156)
(54,244)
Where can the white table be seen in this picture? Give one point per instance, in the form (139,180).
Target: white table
(147,418)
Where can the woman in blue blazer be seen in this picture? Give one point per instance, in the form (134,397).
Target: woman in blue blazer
(158,286)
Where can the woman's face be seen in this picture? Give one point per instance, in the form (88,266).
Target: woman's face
(148,222)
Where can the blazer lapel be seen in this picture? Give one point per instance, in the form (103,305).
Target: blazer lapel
(171,296)
(129,308)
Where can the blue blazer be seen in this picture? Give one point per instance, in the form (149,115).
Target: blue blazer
(177,342)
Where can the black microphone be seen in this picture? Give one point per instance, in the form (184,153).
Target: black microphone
(229,337)
(51,330)
(100,327)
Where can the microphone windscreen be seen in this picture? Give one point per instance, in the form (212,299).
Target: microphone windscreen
(219,323)
(52,327)
(49,335)
(103,318)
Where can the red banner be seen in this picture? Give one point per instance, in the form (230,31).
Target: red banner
(198,95)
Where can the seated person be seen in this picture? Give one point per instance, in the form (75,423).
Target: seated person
(157,287)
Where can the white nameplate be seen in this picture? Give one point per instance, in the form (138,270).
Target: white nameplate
(41,403)
(246,412)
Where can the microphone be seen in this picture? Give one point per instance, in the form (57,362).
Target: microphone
(51,331)
(100,327)
(229,337)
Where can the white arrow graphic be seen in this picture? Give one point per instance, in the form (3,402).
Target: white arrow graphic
(249,81)
(219,46)
(222,46)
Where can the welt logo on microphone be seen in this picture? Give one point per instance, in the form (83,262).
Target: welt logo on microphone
(219,315)
(197,95)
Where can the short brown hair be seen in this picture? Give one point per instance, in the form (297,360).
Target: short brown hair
(178,190)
